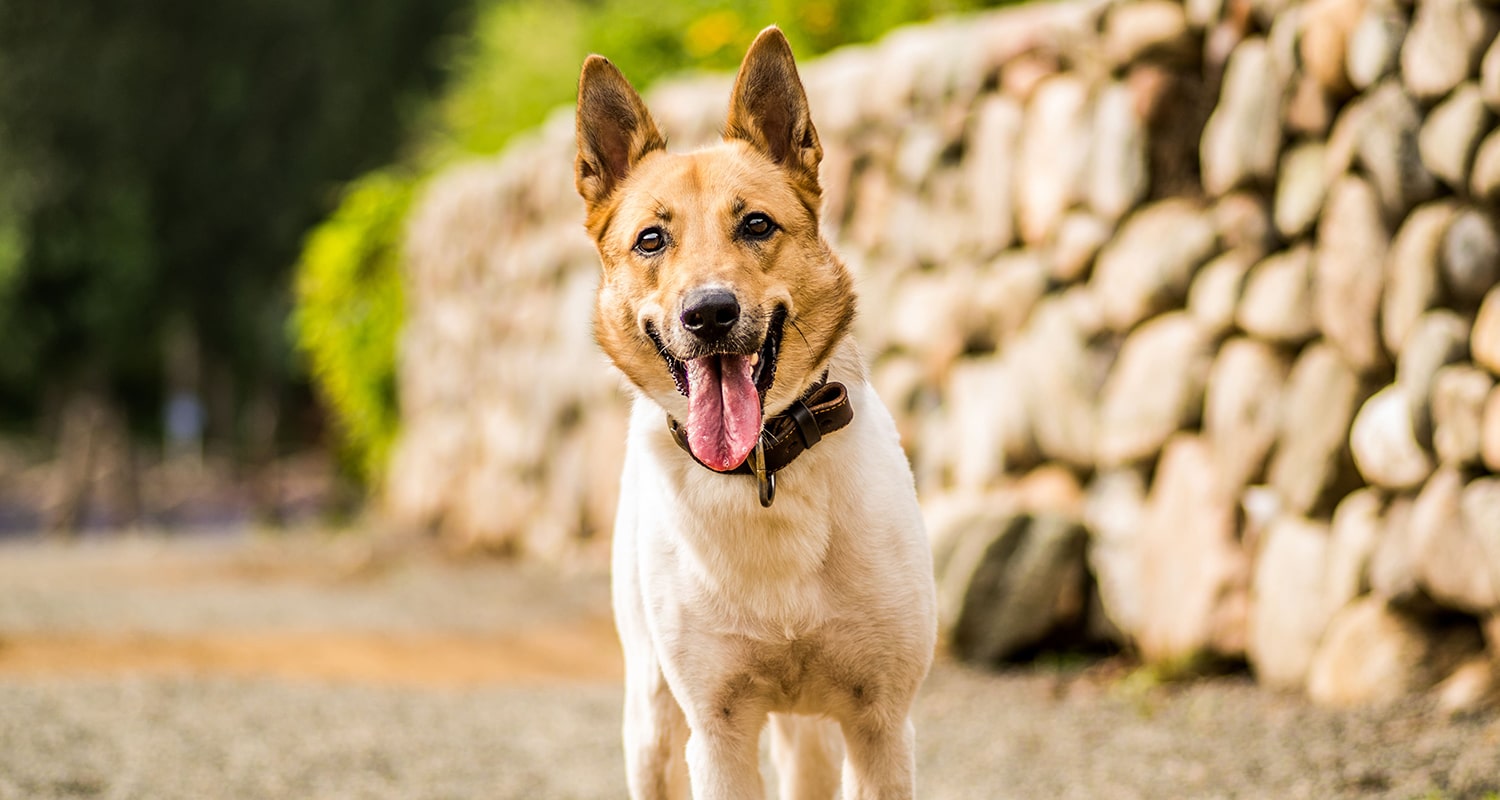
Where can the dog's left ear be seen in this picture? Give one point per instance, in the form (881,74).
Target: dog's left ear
(769,107)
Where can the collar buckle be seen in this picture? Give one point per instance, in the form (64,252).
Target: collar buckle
(765,479)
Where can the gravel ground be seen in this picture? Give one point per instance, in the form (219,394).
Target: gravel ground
(317,668)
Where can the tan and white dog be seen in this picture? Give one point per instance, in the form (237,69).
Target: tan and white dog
(769,556)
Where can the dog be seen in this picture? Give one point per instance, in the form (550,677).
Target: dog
(769,559)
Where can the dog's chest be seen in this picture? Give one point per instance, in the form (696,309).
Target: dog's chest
(802,656)
(807,674)
(783,670)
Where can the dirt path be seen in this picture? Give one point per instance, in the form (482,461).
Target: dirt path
(550,656)
(316,668)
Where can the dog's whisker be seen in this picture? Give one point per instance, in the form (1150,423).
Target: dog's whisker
(798,329)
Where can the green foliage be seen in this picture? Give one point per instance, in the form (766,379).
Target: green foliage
(349,312)
(520,63)
(160,163)
(507,75)
(523,57)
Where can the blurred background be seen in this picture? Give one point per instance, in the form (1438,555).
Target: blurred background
(1186,311)
(201,208)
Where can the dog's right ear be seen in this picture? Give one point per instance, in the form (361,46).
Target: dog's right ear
(614,130)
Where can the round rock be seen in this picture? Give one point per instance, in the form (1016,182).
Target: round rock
(1384,442)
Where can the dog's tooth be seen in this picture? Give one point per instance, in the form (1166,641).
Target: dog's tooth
(754,359)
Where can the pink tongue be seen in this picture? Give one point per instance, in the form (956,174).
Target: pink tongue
(723,410)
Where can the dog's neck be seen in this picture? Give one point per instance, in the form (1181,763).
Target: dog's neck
(821,410)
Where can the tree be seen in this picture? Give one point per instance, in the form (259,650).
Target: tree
(160,163)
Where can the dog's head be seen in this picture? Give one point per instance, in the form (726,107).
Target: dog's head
(719,299)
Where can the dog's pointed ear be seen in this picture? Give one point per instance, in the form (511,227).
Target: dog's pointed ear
(614,130)
(769,107)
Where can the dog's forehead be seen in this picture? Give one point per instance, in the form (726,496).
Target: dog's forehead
(724,179)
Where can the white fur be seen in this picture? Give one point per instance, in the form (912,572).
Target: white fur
(818,610)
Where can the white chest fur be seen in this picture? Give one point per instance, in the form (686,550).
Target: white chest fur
(793,589)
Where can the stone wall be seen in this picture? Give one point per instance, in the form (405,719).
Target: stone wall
(1187,314)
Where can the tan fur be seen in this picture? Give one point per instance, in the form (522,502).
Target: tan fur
(684,194)
(821,605)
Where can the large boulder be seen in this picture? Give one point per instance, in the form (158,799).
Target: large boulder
(1385,444)
(1326,30)
(989,172)
(988,423)
(1447,40)
(1452,133)
(1480,508)
(1215,292)
(1147,30)
(1393,564)
(1374,50)
(1353,535)
(1454,563)
(1243,136)
(1287,612)
(1006,581)
(1348,276)
(1080,235)
(1311,468)
(1156,388)
(1484,339)
(1439,338)
(1387,123)
(1113,510)
(1194,576)
(1459,392)
(1277,304)
(1489,431)
(1373,654)
(1484,176)
(1471,257)
(1413,280)
(1148,266)
(1063,376)
(1050,175)
(1118,176)
(1301,188)
(1242,409)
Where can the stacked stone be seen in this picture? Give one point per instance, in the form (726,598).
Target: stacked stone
(504,396)
(1378,545)
(1187,314)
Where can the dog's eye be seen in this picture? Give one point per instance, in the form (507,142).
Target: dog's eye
(650,241)
(756,226)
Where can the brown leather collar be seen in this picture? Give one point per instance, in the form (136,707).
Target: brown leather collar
(822,410)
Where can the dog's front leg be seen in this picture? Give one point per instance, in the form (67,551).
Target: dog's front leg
(655,730)
(723,755)
(880,761)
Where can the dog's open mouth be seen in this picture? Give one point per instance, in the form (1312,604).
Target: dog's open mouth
(726,392)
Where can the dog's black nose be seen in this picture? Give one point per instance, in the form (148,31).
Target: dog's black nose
(709,314)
